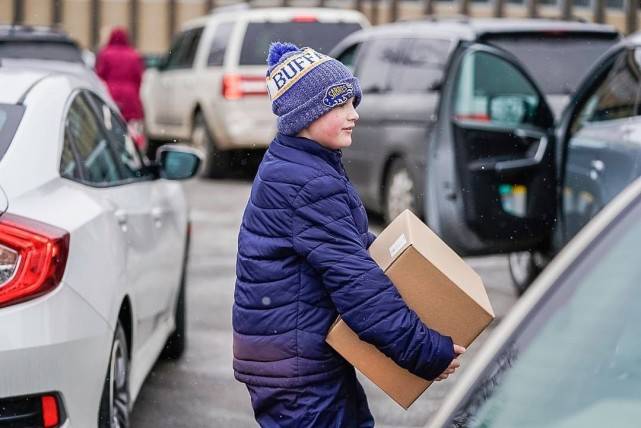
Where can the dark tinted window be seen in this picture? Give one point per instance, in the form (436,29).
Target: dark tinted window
(378,58)
(219,44)
(557,62)
(68,162)
(10,116)
(321,36)
(92,144)
(183,49)
(191,47)
(58,51)
(574,361)
(348,56)
(124,148)
(421,66)
(617,97)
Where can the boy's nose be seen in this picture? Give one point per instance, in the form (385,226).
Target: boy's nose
(354,115)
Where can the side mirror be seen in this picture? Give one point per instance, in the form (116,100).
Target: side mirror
(436,85)
(177,162)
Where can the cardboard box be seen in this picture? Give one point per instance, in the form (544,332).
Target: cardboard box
(436,283)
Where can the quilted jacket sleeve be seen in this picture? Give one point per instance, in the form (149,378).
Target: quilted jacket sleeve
(325,234)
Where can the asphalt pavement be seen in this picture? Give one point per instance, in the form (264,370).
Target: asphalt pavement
(200,390)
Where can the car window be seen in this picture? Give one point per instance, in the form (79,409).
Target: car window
(557,61)
(617,97)
(10,117)
(375,65)
(176,51)
(41,49)
(575,361)
(191,46)
(219,44)
(348,56)
(68,163)
(321,36)
(91,143)
(123,146)
(491,89)
(421,66)
(183,49)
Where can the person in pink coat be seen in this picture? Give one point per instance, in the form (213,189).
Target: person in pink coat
(120,66)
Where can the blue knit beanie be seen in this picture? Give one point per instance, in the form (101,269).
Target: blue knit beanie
(304,84)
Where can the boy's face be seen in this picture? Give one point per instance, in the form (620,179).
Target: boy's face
(333,129)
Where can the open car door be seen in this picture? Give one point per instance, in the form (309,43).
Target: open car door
(491,183)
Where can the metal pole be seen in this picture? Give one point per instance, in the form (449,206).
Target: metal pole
(394,11)
(95,23)
(498,8)
(18,12)
(630,8)
(134,11)
(428,7)
(171,20)
(566,9)
(285,3)
(56,13)
(464,7)
(321,3)
(210,4)
(532,7)
(598,11)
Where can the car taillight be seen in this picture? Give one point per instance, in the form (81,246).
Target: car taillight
(304,18)
(33,257)
(236,86)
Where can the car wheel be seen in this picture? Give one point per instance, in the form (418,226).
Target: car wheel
(216,163)
(399,191)
(523,269)
(115,402)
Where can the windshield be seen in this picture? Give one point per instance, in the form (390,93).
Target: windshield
(46,50)
(10,116)
(557,62)
(321,36)
(576,360)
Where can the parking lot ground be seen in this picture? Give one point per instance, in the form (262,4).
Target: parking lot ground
(200,390)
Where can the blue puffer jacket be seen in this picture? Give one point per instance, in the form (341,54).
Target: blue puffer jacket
(302,261)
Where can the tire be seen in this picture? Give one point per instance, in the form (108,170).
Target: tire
(177,341)
(216,163)
(399,193)
(523,270)
(116,402)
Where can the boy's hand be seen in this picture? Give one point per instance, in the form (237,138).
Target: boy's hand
(455,364)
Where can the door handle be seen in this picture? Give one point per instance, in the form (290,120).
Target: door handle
(121,218)
(157,215)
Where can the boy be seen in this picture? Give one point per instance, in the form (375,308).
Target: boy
(303,260)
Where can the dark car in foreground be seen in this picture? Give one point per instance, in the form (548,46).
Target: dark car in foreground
(419,79)
(568,354)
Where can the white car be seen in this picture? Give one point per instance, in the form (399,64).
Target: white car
(211,87)
(93,248)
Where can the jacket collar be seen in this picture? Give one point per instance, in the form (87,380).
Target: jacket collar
(304,145)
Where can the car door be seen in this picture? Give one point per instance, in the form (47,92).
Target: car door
(154,276)
(490,169)
(603,141)
(184,88)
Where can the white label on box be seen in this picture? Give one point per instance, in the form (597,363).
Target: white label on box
(397,245)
